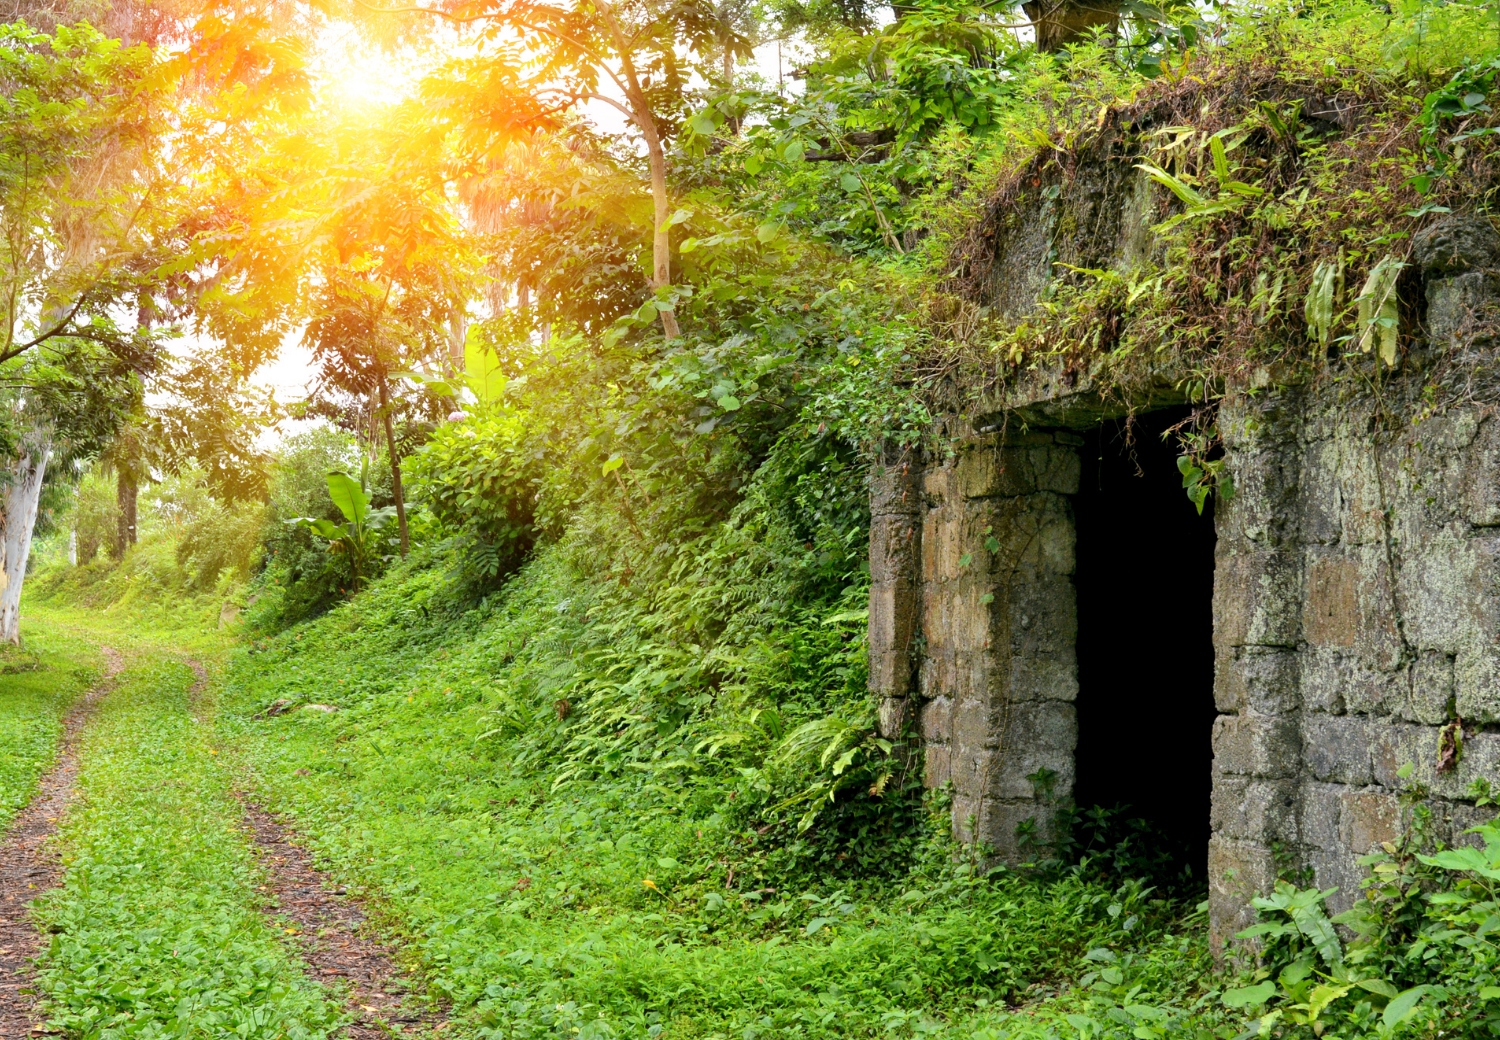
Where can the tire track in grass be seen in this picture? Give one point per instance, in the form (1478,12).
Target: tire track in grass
(157,924)
(327,926)
(29,869)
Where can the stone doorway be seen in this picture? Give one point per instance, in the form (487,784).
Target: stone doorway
(1144,577)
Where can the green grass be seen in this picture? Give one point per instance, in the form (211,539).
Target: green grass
(604,904)
(46,677)
(157,927)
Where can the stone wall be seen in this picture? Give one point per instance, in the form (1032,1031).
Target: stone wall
(1356,612)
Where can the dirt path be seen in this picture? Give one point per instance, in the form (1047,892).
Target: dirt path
(28,868)
(328,926)
(330,930)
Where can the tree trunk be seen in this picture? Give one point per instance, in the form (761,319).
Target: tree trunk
(1061,22)
(22,497)
(126,494)
(458,332)
(661,245)
(390,442)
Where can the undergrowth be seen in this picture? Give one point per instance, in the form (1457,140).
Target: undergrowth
(570,842)
(157,929)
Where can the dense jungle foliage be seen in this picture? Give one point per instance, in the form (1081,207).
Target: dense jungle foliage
(551,601)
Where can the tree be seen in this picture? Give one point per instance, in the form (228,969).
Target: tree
(81,202)
(630,45)
(386,268)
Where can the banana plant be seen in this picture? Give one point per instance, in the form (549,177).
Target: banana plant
(358,537)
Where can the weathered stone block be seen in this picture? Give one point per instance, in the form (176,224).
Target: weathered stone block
(1258,599)
(935,772)
(1033,534)
(1259,679)
(1011,770)
(942,545)
(1462,310)
(988,472)
(1003,824)
(1366,819)
(1318,815)
(1395,746)
(1476,683)
(890,673)
(891,716)
(937,671)
(1264,510)
(1455,244)
(1052,725)
(1337,748)
(896,489)
(1336,868)
(893,618)
(1245,809)
(1448,589)
(1331,617)
(936,720)
(1378,641)
(1431,689)
(1323,676)
(895,549)
(978,723)
(1237,872)
(1256,745)
(1482,498)
(1461,818)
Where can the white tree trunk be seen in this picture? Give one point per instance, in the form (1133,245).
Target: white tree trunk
(22,497)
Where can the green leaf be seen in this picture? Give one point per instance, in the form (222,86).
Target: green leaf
(1489,993)
(729,403)
(1380,986)
(1378,310)
(753,164)
(1402,1007)
(348,496)
(614,463)
(1221,161)
(647,314)
(688,245)
(794,151)
(1175,185)
(767,232)
(850,182)
(817,924)
(1250,996)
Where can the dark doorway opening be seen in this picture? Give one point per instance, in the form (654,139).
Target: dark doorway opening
(1145,571)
